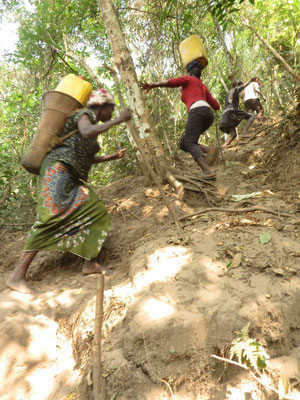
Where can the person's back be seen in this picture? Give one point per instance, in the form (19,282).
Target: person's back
(251,100)
(232,99)
(250,91)
(233,115)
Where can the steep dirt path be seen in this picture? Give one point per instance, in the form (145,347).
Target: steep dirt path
(172,301)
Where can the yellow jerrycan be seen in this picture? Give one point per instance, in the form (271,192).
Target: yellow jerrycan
(71,93)
(192,49)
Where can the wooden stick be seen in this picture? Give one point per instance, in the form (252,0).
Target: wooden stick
(98,380)
(238,210)
(219,144)
(131,213)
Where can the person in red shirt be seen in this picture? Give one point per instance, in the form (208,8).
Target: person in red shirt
(199,103)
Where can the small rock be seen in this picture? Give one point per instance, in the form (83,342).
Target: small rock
(268,296)
(278,271)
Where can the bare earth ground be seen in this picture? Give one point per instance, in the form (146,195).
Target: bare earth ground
(171,302)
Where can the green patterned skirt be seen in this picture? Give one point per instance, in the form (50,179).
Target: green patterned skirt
(70,217)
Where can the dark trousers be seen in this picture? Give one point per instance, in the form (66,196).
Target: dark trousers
(254,105)
(199,120)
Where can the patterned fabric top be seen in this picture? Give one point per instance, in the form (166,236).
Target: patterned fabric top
(77,151)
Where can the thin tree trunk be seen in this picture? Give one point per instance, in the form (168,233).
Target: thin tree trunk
(124,63)
(274,53)
(145,158)
(215,64)
(228,56)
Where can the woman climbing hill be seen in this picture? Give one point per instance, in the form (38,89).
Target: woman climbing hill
(70,217)
(200,103)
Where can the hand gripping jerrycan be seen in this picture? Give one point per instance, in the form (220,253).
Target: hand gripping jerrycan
(192,49)
(71,93)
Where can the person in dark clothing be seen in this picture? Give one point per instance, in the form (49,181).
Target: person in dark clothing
(199,103)
(233,115)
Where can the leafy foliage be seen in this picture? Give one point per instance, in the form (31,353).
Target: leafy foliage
(248,351)
(50,32)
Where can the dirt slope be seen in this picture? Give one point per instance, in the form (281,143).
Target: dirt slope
(173,300)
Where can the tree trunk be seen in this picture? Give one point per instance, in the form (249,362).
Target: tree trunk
(274,53)
(124,63)
(227,54)
(215,64)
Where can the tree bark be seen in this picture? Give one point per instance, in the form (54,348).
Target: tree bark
(124,63)
(215,64)
(227,54)
(274,53)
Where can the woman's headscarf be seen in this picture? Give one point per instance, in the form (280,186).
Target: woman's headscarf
(100,97)
(194,64)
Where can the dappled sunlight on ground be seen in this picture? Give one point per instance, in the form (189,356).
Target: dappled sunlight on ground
(157,309)
(36,359)
(162,265)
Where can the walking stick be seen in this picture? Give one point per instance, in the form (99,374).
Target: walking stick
(98,380)
(218,139)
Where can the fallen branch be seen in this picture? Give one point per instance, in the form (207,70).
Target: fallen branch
(282,396)
(263,129)
(98,380)
(133,215)
(239,210)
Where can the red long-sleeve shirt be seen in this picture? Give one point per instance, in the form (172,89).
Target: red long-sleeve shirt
(193,89)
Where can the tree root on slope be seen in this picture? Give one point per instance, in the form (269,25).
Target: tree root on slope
(182,182)
(242,210)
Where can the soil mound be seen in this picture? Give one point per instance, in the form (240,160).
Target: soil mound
(173,300)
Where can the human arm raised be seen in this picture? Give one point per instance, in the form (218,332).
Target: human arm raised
(89,130)
(148,86)
(242,87)
(118,154)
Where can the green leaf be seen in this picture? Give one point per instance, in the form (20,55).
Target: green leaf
(265,237)
(228,265)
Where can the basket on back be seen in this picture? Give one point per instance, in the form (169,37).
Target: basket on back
(71,93)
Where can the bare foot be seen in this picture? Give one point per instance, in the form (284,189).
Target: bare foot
(20,285)
(93,267)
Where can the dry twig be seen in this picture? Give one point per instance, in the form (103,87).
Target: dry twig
(282,396)
(263,129)
(240,210)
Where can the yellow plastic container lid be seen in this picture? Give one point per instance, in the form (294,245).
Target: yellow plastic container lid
(76,87)
(192,49)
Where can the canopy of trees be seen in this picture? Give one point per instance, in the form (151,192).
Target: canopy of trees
(242,38)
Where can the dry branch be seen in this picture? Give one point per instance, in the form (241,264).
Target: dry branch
(282,396)
(263,129)
(240,210)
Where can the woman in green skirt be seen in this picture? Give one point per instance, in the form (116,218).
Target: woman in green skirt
(70,217)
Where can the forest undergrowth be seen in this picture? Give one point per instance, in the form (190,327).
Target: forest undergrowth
(175,304)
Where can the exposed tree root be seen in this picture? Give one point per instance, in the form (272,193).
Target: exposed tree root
(176,184)
(242,210)
(193,183)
